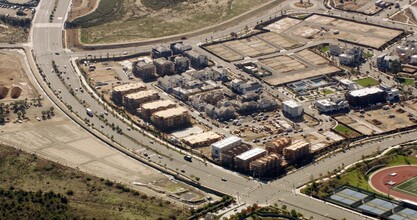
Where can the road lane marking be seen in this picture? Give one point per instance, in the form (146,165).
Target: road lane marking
(47,25)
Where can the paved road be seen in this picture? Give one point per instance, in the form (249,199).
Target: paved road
(47,47)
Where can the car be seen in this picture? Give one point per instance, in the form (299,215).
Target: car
(224,179)
(151,142)
(188,158)
(182,171)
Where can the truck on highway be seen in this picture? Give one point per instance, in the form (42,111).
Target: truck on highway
(89,112)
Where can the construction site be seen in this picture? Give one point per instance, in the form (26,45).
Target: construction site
(324,27)
(290,68)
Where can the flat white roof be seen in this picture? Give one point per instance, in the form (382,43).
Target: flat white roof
(250,153)
(346,81)
(291,104)
(326,102)
(226,142)
(366,91)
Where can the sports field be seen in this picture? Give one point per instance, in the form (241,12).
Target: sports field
(397,181)
(409,186)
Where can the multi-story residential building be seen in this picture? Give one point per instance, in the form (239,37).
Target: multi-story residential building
(298,150)
(362,98)
(167,83)
(202,139)
(333,104)
(147,109)
(220,146)
(292,109)
(119,91)
(180,48)
(198,61)
(161,51)
(163,66)
(276,146)
(132,101)
(144,70)
(243,160)
(265,165)
(171,118)
(181,64)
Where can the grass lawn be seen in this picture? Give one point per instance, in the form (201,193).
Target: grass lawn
(86,196)
(327,91)
(343,129)
(323,48)
(406,81)
(367,82)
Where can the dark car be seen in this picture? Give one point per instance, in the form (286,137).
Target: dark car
(188,158)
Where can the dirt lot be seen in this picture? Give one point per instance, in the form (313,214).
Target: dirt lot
(109,74)
(283,64)
(12,75)
(254,46)
(381,120)
(324,27)
(405,16)
(81,7)
(251,47)
(224,52)
(132,21)
(46,131)
(10,34)
(302,65)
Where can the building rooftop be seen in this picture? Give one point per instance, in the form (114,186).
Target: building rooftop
(129,86)
(250,153)
(141,94)
(298,144)
(144,64)
(161,61)
(171,112)
(326,102)
(158,104)
(365,91)
(227,141)
(291,104)
(201,137)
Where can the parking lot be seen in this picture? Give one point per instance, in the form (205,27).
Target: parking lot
(12,11)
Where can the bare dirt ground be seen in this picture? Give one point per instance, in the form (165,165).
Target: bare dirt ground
(59,139)
(10,34)
(405,16)
(13,74)
(81,7)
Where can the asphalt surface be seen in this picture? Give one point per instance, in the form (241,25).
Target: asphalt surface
(47,47)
